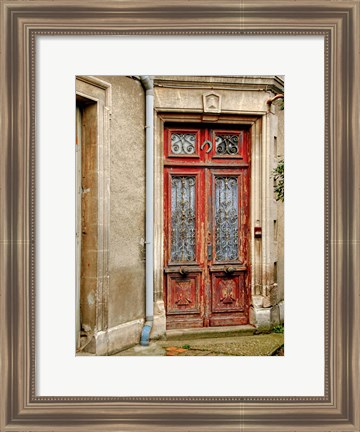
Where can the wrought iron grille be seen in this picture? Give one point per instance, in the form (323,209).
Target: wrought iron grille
(183,218)
(183,143)
(226,218)
(227,144)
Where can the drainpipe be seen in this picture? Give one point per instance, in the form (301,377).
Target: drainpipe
(148,84)
(278,96)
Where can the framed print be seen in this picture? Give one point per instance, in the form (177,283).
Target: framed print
(189,316)
(54,54)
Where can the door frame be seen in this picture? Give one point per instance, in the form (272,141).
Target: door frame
(91,91)
(259,129)
(204,286)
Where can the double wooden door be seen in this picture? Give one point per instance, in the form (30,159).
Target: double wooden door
(206,213)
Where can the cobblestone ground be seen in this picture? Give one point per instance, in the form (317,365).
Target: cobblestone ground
(256,345)
(174,351)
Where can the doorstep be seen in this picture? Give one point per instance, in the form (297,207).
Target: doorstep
(210,332)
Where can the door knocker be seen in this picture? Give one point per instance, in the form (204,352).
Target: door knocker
(203,145)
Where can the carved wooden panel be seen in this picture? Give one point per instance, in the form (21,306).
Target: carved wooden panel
(183,293)
(228,292)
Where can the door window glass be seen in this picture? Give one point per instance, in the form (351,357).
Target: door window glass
(226,218)
(183,218)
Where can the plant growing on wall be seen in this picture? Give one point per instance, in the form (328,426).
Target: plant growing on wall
(278,175)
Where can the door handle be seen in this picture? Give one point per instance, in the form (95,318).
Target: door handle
(203,145)
(233,269)
(184,271)
(229,270)
(209,251)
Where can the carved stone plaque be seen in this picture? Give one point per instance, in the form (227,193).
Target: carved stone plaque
(212,103)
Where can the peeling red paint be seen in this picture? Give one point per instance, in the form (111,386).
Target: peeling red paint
(204,283)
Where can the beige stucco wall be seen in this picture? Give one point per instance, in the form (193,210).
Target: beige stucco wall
(127,201)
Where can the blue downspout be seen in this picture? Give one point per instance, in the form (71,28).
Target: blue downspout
(148,84)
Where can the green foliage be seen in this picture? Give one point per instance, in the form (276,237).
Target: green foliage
(186,346)
(278,329)
(278,176)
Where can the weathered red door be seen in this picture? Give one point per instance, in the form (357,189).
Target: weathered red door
(206,190)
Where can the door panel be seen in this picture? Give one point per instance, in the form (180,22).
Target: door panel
(226,218)
(183,294)
(183,247)
(184,300)
(184,215)
(183,221)
(206,234)
(228,298)
(228,292)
